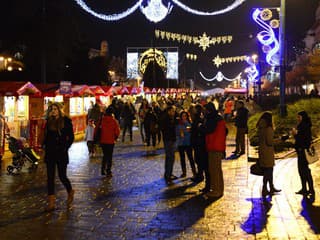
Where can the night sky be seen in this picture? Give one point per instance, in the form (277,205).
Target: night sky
(136,31)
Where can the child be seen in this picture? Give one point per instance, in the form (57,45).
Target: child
(89,135)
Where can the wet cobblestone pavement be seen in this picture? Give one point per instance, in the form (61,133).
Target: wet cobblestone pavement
(137,204)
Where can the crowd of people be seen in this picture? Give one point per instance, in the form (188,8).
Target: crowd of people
(195,128)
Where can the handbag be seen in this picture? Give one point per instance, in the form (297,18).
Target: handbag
(255,169)
(311,154)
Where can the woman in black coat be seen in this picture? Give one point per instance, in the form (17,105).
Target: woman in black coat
(303,140)
(58,137)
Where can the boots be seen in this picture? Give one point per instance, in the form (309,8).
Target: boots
(265,191)
(51,203)
(70,197)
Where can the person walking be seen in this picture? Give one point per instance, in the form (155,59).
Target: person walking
(216,133)
(303,140)
(241,123)
(89,136)
(266,152)
(142,114)
(58,137)
(110,131)
(128,115)
(184,144)
(168,127)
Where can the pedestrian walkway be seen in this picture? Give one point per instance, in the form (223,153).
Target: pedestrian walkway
(137,204)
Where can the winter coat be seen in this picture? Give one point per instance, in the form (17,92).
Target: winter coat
(168,127)
(265,147)
(151,120)
(216,140)
(57,144)
(110,130)
(303,137)
(241,118)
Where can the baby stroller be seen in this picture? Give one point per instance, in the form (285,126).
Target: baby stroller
(21,155)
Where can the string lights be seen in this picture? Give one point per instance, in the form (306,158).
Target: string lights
(218,61)
(155,10)
(202,41)
(220,77)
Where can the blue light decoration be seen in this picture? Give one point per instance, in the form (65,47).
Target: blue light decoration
(268,37)
(252,70)
(155,10)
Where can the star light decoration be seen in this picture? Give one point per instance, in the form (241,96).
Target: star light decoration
(155,10)
(218,61)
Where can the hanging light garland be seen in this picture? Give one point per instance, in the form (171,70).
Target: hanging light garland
(203,41)
(219,77)
(218,61)
(155,10)
(267,37)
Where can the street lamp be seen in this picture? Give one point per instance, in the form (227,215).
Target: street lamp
(283,107)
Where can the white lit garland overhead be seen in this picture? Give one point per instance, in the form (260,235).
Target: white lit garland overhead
(219,77)
(203,41)
(155,10)
(218,61)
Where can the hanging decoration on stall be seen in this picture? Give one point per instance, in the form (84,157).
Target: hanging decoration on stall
(269,36)
(218,61)
(220,77)
(155,10)
(202,41)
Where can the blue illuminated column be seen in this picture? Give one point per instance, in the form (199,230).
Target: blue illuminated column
(283,107)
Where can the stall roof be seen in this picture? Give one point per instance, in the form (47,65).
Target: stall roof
(18,88)
(80,90)
(97,90)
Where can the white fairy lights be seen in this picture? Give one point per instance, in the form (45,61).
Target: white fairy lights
(155,10)
(219,77)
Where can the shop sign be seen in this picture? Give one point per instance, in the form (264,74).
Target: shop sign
(65,87)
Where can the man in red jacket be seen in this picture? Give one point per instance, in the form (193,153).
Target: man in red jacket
(110,131)
(216,132)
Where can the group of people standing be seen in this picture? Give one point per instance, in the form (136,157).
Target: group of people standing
(205,136)
(303,139)
(199,133)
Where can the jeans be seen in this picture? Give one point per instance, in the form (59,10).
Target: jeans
(62,172)
(188,151)
(107,150)
(304,170)
(169,148)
